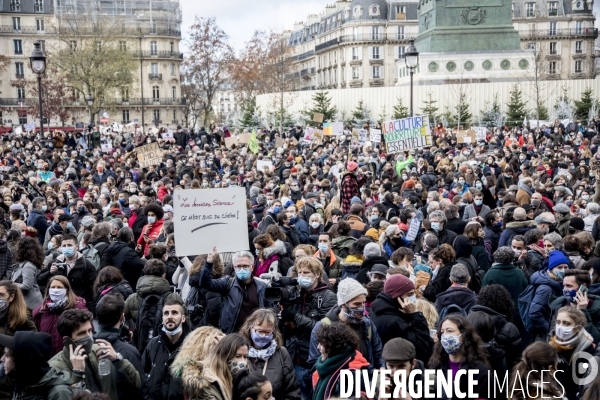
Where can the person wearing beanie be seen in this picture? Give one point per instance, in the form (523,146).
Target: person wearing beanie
(350,185)
(576,225)
(547,284)
(350,310)
(395,315)
(563,216)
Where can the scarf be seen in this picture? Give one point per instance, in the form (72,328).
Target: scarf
(526,188)
(263,354)
(58,306)
(327,368)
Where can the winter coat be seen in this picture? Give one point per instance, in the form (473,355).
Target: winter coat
(152,233)
(38,220)
(233,297)
(546,289)
(199,383)
(122,371)
(392,323)
(55,385)
(306,211)
(491,239)
(366,266)
(333,388)
(350,267)
(439,284)
(146,286)
(25,276)
(123,288)
(456,225)
(47,321)
(509,276)
(470,212)
(480,379)
(513,229)
(309,308)
(589,222)
(125,259)
(313,235)
(129,353)
(429,180)
(156,361)
(341,246)
(6,260)
(280,372)
(374,346)
(481,257)
(459,295)
(332,267)
(562,225)
(81,277)
(592,314)
(271,260)
(446,236)
(507,335)
(349,187)
(357,225)
(137,221)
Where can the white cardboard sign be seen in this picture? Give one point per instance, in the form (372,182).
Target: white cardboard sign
(337,128)
(106,147)
(260,164)
(375,135)
(210,217)
(413,229)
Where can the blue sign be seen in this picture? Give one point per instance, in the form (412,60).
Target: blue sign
(135,120)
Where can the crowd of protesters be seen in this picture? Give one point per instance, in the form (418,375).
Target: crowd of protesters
(459,256)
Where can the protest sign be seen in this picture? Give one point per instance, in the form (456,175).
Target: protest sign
(413,229)
(466,137)
(337,128)
(375,135)
(261,164)
(318,135)
(327,129)
(308,134)
(355,137)
(318,117)
(149,155)
(279,142)
(480,133)
(595,163)
(167,135)
(294,142)
(210,217)
(362,137)
(407,134)
(18,130)
(106,147)
(104,117)
(244,138)
(230,141)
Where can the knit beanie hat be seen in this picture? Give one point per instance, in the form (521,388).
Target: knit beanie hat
(348,289)
(577,223)
(396,285)
(409,184)
(556,258)
(398,350)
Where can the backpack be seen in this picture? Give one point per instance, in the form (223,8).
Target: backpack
(387,214)
(149,318)
(525,300)
(450,309)
(327,321)
(92,255)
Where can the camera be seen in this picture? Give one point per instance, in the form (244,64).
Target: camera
(61,265)
(279,289)
(195,313)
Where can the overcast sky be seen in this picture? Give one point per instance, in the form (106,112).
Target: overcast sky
(240,18)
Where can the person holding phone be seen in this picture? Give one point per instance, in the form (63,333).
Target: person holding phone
(576,294)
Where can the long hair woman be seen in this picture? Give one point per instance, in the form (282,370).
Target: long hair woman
(213,377)
(110,280)
(267,356)
(527,374)
(251,385)
(14,315)
(58,297)
(475,233)
(210,301)
(30,259)
(195,347)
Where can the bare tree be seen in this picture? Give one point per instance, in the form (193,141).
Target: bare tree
(194,100)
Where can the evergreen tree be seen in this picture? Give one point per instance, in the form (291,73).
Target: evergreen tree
(429,108)
(516,106)
(492,116)
(287,121)
(543,111)
(563,108)
(462,115)
(250,114)
(400,110)
(322,105)
(361,115)
(583,106)
(383,115)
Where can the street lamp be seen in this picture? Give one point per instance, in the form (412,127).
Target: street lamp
(140,37)
(411,58)
(37,62)
(90,103)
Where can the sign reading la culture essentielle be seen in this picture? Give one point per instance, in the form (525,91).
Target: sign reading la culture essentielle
(407,134)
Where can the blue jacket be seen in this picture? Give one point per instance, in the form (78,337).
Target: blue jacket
(546,290)
(38,220)
(302,229)
(233,298)
(374,346)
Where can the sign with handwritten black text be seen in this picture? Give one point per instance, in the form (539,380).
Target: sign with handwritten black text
(204,218)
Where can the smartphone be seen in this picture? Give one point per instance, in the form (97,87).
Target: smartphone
(583,289)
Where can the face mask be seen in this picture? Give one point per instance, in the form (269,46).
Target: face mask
(499,224)
(570,295)
(517,252)
(478,186)
(585,197)
(151,220)
(174,332)
(44,208)
(569,203)
(374,218)
(435,226)
(560,274)
(243,274)
(535,203)
(57,294)
(324,248)
(305,282)
(235,366)
(450,343)
(564,333)
(412,299)
(86,343)
(478,202)
(3,305)
(50,245)
(68,251)
(276,210)
(260,340)
(354,315)
(315,225)
(292,220)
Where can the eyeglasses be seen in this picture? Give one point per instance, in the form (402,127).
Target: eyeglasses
(242,267)
(263,333)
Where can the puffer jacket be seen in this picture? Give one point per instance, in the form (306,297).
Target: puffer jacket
(200,383)
(507,336)
(350,267)
(280,372)
(546,290)
(392,323)
(156,361)
(513,229)
(25,276)
(309,308)
(47,321)
(124,258)
(148,285)
(270,263)
(341,246)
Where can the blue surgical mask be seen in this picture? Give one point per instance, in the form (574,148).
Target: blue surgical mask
(151,220)
(323,247)
(478,186)
(450,343)
(276,210)
(412,299)
(68,251)
(70,225)
(478,202)
(305,282)
(499,224)
(560,274)
(44,208)
(50,245)
(292,220)
(374,218)
(260,340)
(243,274)
(435,226)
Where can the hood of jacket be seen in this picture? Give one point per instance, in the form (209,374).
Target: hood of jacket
(116,247)
(148,284)
(516,225)
(352,261)
(52,379)
(278,248)
(460,296)
(542,278)
(343,241)
(462,247)
(197,378)
(31,352)
(385,305)
(100,240)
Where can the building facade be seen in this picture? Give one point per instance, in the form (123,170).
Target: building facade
(357,43)
(156,33)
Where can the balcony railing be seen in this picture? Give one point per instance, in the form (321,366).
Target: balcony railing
(22,29)
(326,45)
(17,102)
(546,33)
(129,32)
(307,71)
(155,77)
(306,55)
(147,101)
(159,54)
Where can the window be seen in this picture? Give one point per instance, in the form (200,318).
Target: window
(172,47)
(154,68)
(175,114)
(553,48)
(355,34)
(401,50)
(552,67)
(578,27)
(22,120)
(400,12)
(155,93)
(20,70)
(578,67)
(172,69)
(156,117)
(153,48)
(375,32)
(120,7)
(530,46)
(20,93)
(374,10)
(38,6)
(42,44)
(123,46)
(356,53)
(375,53)
(400,32)
(553,9)
(376,72)
(15,5)
(174,92)
(18,44)
(125,116)
(357,11)
(552,30)
(578,47)
(16,24)
(39,24)
(530,9)
(125,94)
(355,73)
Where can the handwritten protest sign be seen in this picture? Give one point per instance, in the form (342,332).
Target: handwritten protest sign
(230,141)
(261,164)
(279,142)
(375,135)
(167,135)
(210,217)
(244,138)
(318,117)
(308,134)
(337,128)
(413,229)
(18,130)
(480,132)
(149,155)
(407,134)
(595,163)
(106,147)
(362,137)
